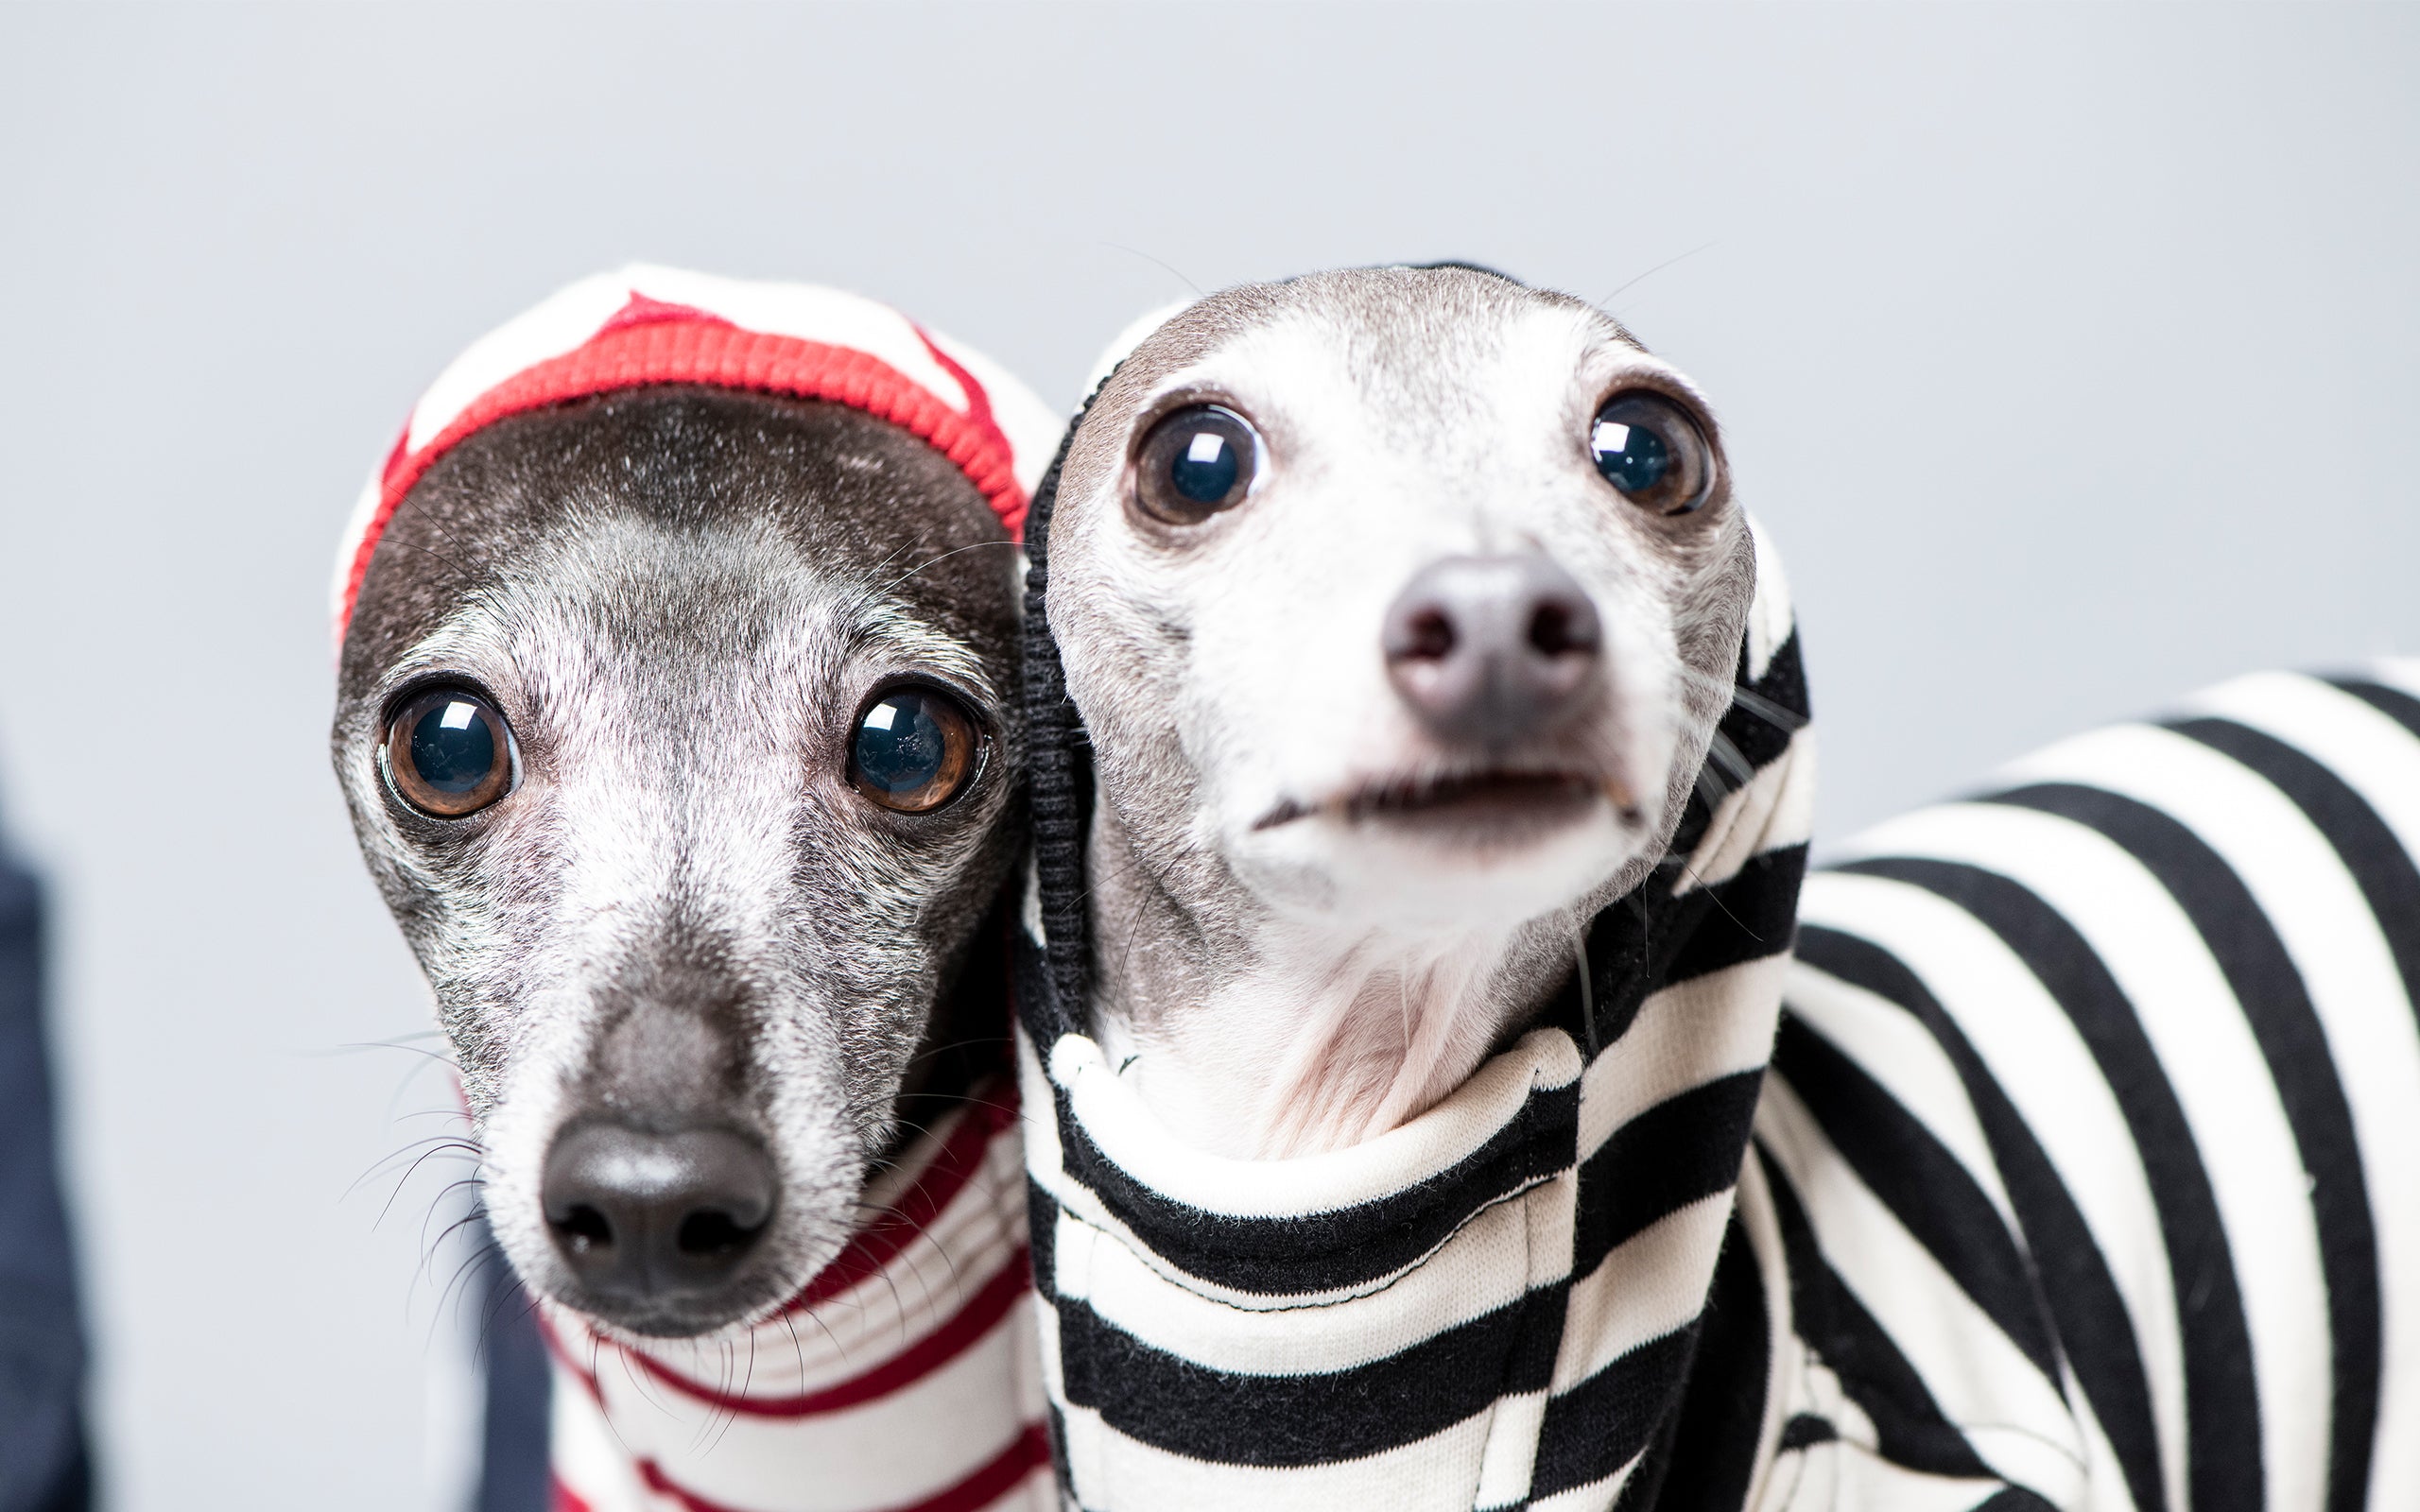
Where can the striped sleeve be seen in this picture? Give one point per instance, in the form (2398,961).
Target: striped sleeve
(2098,1093)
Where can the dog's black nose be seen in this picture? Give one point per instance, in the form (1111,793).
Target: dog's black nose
(1493,650)
(646,1219)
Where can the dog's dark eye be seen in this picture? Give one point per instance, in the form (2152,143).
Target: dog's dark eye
(449,753)
(914,750)
(1195,463)
(1650,450)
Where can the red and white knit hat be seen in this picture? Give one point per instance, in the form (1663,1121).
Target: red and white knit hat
(660,325)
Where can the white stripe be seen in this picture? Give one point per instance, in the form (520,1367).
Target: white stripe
(2374,755)
(1511,1454)
(582,1450)
(2012,1413)
(1775,808)
(1130,1135)
(1761,1223)
(1868,1481)
(1484,1266)
(1652,1284)
(1770,617)
(2199,1036)
(2049,1076)
(1115,1473)
(2397,672)
(1890,1045)
(1682,1038)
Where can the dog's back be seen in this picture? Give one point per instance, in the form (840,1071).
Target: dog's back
(2091,1129)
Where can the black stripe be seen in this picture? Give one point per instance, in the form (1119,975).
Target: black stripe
(1923,1184)
(1059,782)
(2271,994)
(1602,1424)
(2082,1297)
(2224,1448)
(2013,1499)
(1910,1428)
(1705,1462)
(1348,1246)
(1686,1147)
(1283,1421)
(2395,703)
(1747,918)
(1654,938)
(1759,738)
(1059,1455)
(2361,840)
(1042,1236)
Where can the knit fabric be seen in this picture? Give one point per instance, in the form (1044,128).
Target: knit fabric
(1495,1305)
(644,325)
(902,1377)
(2091,1124)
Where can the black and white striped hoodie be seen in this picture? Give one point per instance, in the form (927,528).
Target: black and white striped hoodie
(1515,1300)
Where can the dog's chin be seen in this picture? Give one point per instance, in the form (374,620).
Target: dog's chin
(729,1311)
(1467,851)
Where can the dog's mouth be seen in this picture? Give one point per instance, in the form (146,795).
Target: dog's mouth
(1492,803)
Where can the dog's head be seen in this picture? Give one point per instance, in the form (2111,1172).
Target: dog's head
(671,722)
(1397,602)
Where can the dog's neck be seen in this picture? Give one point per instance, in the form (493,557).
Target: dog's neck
(1259,1036)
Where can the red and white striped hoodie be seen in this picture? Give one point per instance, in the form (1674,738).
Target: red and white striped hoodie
(903,1377)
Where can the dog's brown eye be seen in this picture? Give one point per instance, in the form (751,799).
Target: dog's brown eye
(448,753)
(914,750)
(1195,463)
(1650,451)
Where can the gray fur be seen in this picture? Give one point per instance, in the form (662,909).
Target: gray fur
(679,598)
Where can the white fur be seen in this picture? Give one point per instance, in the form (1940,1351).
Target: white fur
(1357,970)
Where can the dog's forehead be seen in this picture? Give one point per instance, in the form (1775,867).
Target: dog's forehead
(1405,357)
(706,527)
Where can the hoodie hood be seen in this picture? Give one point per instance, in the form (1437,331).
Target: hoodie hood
(1503,1303)
(644,325)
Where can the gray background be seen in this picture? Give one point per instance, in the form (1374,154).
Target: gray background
(2067,352)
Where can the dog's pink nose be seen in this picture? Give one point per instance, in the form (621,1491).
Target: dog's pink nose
(1493,650)
(653,1223)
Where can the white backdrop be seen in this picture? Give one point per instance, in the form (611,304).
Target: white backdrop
(2067,352)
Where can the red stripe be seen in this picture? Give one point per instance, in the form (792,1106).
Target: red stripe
(665,347)
(988,1483)
(879,1243)
(639,309)
(978,413)
(955,1336)
(561,1498)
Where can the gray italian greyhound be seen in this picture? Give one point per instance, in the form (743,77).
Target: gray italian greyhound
(671,724)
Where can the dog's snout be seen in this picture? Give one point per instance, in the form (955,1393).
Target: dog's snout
(1493,650)
(646,1219)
